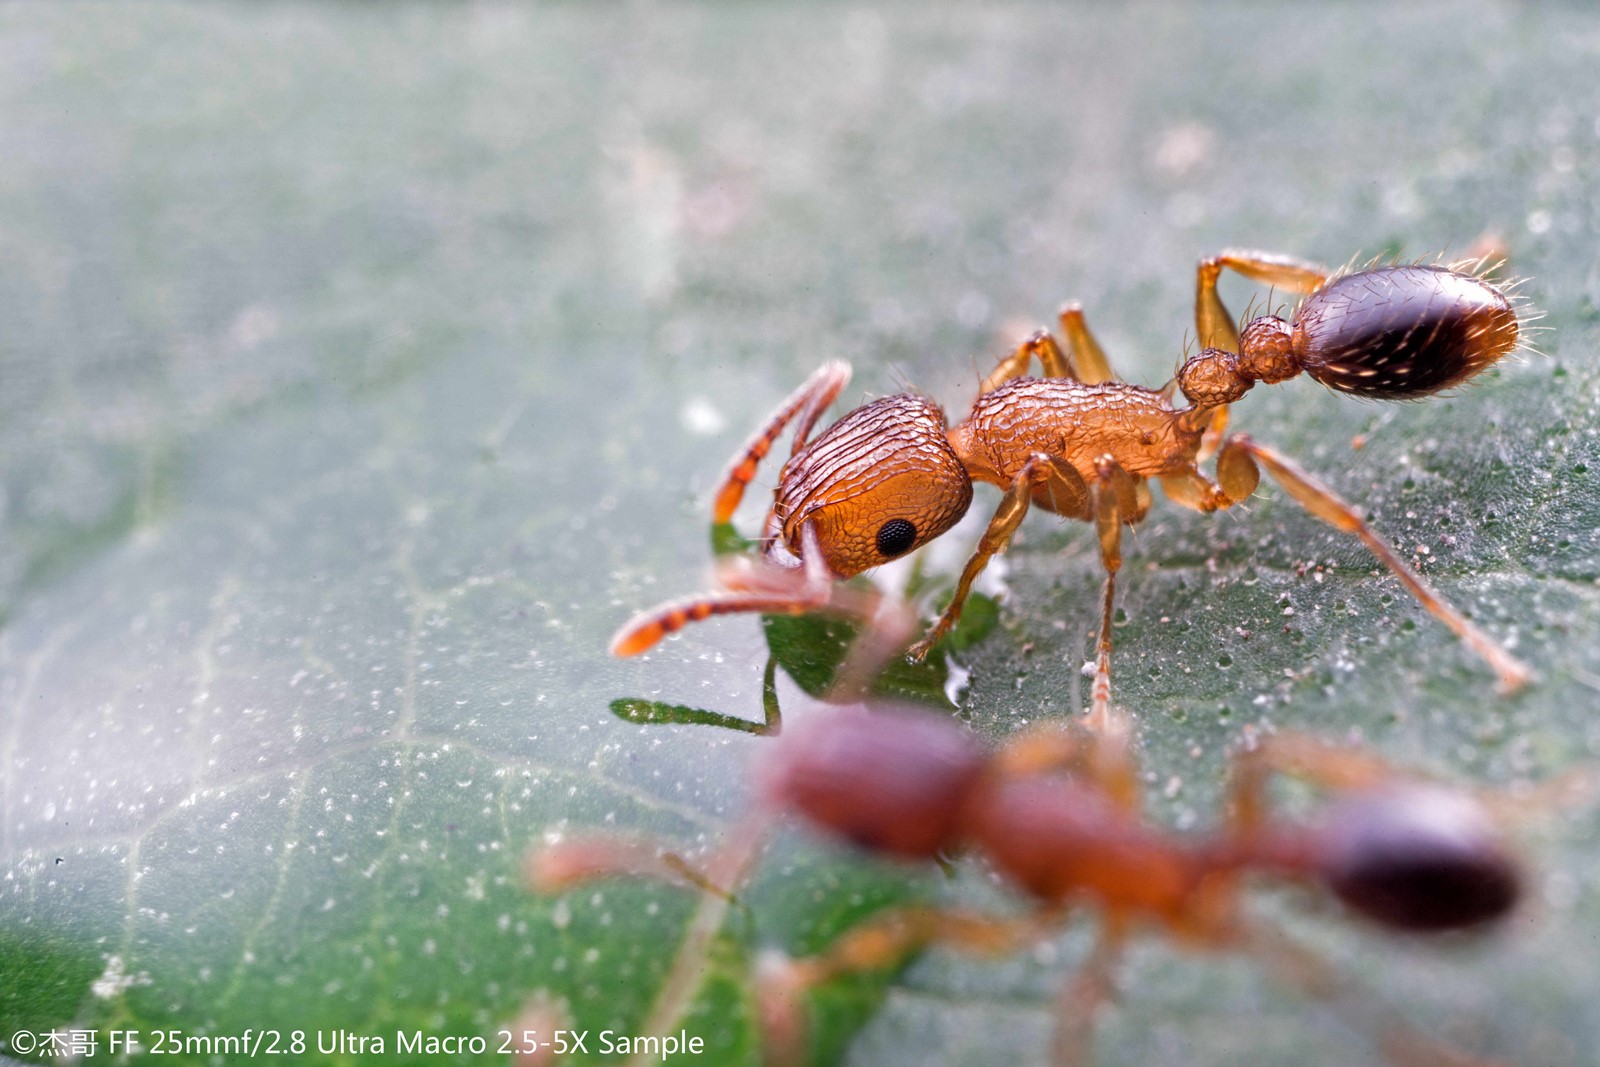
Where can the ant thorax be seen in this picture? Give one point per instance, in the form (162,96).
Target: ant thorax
(1079,423)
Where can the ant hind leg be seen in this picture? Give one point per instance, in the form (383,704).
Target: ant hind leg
(1237,473)
(1214,325)
(1398,1042)
(1083,995)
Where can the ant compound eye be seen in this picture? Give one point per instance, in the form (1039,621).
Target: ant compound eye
(895,537)
(1398,332)
(1420,859)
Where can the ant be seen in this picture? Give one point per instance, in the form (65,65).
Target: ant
(892,475)
(1055,811)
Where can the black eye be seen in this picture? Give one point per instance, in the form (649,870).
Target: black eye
(896,536)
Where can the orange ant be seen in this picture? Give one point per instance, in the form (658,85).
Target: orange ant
(1055,811)
(891,475)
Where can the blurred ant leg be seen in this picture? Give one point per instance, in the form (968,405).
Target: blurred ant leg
(1341,769)
(776,591)
(1241,452)
(1088,359)
(1299,756)
(881,942)
(884,634)
(1487,258)
(573,862)
(808,402)
(1042,473)
(1400,1043)
(1046,747)
(1040,345)
(576,861)
(1083,995)
(1577,787)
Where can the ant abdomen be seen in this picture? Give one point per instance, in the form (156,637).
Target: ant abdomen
(1419,859)
(1402,331)
(888,780)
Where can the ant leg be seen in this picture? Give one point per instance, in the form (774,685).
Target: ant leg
(1342,769)
(576,861)
(770,590)
(1298,755)
(1237,473)
(1089,361)
(881,942)
(1041,346)
(1113,500)
(1189,488)
(1082,996)
(1042,473)
(807,402)
(1215,327)
(1398,1042)
(884,634)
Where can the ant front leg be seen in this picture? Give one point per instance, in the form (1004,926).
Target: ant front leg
(1042,473)
(1237,474)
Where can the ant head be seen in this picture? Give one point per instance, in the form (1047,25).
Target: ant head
(1402,331)
(879,483)
(1418,858)
(891,780)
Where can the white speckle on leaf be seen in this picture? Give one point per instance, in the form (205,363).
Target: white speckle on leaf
(113,981)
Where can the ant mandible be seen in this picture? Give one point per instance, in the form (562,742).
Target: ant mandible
(891,476)
(1056,812)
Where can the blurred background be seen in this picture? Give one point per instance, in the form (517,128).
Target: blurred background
(365,366)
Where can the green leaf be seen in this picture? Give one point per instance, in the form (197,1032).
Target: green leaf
(365,366)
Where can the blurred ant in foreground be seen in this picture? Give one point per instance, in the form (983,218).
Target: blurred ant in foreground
(1056,813)
(891,475)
